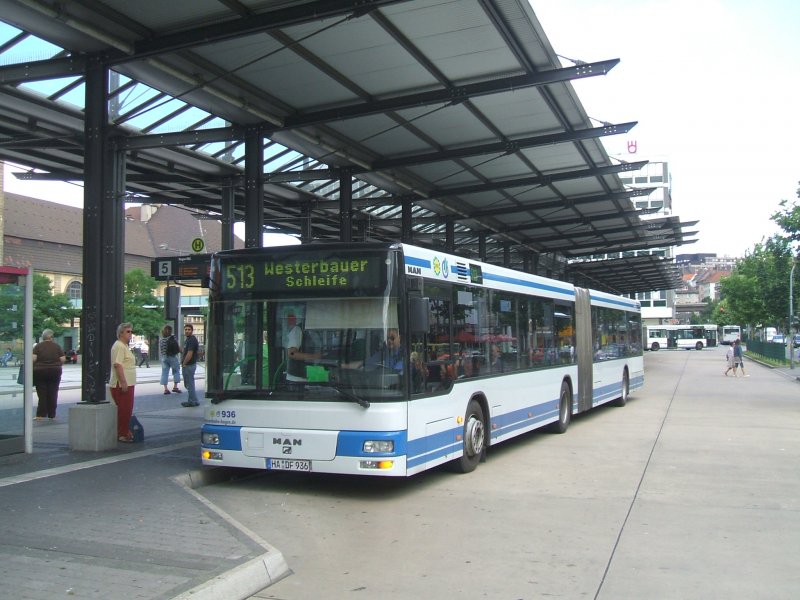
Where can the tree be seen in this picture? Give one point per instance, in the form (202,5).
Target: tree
(50,311)
(141,307)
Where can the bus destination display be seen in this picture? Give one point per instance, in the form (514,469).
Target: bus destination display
(303,273)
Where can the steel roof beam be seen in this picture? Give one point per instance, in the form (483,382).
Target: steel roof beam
(304,12)
(452,95)
(561,203)
(37,70)
(506,147)
(532,181)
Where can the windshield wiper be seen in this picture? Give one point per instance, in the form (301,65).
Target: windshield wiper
(350,396)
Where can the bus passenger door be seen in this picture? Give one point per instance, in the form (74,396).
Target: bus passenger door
(585,348)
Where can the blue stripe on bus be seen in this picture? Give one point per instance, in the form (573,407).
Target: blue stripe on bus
(621,302)
(614,390)
(523,418)
(421,262)
(437,445)
(529,284)
(443,443)
(417,262)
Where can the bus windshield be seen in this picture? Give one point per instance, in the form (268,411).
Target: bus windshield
(269,343)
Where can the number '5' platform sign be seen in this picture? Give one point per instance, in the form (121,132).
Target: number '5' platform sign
(175,268)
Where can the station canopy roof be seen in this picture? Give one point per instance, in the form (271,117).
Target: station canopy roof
(459,109)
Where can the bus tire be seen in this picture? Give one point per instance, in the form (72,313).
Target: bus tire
(698,346)
(564,409)
(655,347)
(626,389)
(474,439)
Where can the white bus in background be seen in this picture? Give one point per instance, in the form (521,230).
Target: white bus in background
(687,337)
(656,337)
(730,333)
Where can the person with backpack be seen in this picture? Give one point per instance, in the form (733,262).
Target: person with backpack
(169,350)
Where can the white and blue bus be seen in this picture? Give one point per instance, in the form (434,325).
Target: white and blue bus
(389,359)
(687,337)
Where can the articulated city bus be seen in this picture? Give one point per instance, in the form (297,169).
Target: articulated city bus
(687,337)
(389,359)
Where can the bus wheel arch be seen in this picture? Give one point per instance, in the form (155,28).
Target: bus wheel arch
(625,390)
(475,436)
(564,408)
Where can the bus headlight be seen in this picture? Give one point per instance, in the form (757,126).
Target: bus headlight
(210,438)
(379,446)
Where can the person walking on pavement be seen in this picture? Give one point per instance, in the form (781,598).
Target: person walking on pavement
(144,354)
(189,362)
(729,359)
(738,358)
(169,352)
(47,360)
(123,380)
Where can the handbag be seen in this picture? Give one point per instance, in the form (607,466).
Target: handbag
(137,429)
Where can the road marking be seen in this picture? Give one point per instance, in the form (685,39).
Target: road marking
(89,464)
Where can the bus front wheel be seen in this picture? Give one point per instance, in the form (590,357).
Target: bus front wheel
(474,439)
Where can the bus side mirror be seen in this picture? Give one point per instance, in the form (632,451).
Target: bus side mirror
(418,315)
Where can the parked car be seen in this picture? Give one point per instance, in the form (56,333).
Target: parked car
(779,338)
(72,357)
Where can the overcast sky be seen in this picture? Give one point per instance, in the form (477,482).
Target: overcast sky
(712,85)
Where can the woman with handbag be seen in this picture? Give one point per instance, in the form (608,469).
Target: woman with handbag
(123,380)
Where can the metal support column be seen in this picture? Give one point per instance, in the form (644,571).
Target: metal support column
(482,246)
(104,237)
(306,231)
(535,263)
(253,189)
(506,255)
(346,205)
(228,215)
(450,234)
(406,222)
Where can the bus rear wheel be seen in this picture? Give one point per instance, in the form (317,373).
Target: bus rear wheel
(655,346)
(564,409)
(698,346)
(474,439)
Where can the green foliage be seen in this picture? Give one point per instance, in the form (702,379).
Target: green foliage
(12,299)
(50,311)
(757,292)
(141,307)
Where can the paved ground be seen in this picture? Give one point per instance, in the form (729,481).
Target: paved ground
(713,510)
(122,524)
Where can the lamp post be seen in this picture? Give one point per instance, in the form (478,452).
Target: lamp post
(791,313)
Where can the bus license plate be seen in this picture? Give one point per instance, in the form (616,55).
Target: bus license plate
(285,464)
